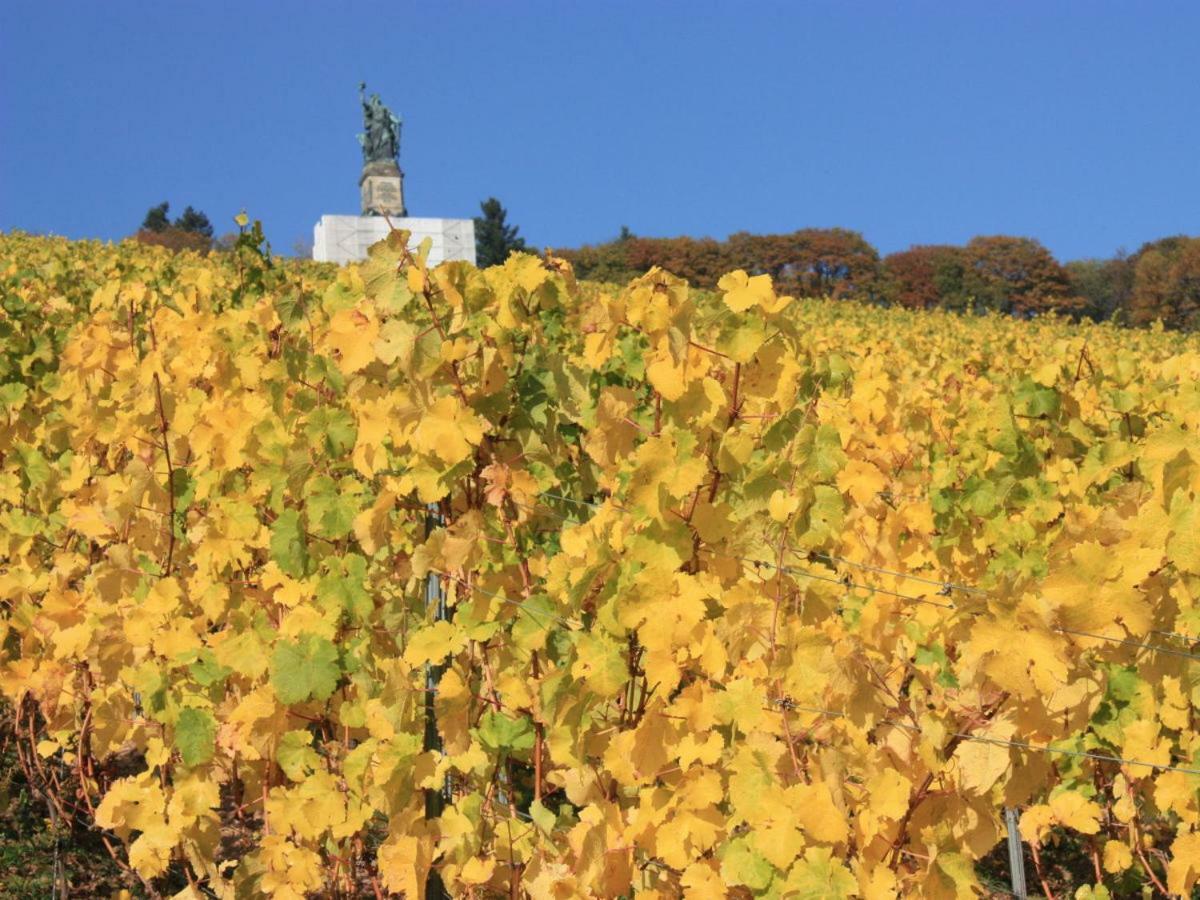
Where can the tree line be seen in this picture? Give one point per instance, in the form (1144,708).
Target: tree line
(1008,274)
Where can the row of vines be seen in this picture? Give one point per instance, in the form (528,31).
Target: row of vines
(741,593)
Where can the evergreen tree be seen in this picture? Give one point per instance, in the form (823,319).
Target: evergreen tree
(193,221)
(156,218)
(494,239)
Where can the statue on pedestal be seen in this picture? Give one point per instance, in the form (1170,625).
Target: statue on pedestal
(382,181)
(348,238)
(381,141)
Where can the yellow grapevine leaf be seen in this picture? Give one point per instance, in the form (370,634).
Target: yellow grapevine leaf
(448,431)
(404,863)
(1117,857)
(352,336)
(1074,811)
(667,377)
(433,643)
(1183,871)
(861,480)
(1143,743)
(782,505)
(743,291)
(478,871)
(817,814)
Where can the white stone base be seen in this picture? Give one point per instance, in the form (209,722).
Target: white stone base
(343,239)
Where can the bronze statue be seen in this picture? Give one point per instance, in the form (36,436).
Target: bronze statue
(381,141)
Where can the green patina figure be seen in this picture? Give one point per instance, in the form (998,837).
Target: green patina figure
(381,140)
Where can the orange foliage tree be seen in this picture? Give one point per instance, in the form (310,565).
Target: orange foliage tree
(831,262)
(926,276)
(1166,283)
(1016,275)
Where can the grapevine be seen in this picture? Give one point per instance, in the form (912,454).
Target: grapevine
(743,591)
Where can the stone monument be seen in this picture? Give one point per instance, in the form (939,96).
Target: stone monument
(382,181)
(343,239)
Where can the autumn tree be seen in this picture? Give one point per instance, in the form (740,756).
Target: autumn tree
(1016,275)
(1166,283)
(605,262)
(702,261)
(926,276)
(1104,285)
(825,262)
(765,254)
(815,262)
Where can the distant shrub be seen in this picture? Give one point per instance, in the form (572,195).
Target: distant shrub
(175,239)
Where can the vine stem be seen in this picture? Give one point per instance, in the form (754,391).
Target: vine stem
(918,796)
(539,738)
(801,772)
(1141,853)
(1041,873)
(166,445)
(734,412)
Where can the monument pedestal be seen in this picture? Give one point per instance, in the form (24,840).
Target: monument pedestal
(343,239)
(382,187)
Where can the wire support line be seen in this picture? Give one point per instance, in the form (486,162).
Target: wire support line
(517,816)
(1083,754)
(1190,638)
(566,499)
(1128,643)
(977,614)
(548,511)
(760,562)
(945,584)
(844,582)
(788,705)
(519,604)
(875,589)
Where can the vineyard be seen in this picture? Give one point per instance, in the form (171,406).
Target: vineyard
(388,579)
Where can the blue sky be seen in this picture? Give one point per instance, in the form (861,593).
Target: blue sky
(913,122)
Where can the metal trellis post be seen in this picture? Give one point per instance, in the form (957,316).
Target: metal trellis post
(1016,855)
(435,800)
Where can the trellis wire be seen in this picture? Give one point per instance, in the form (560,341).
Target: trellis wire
(946,586)
(521,607)
(1015,851)
(1022,745)
(788,706)
(791,570)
